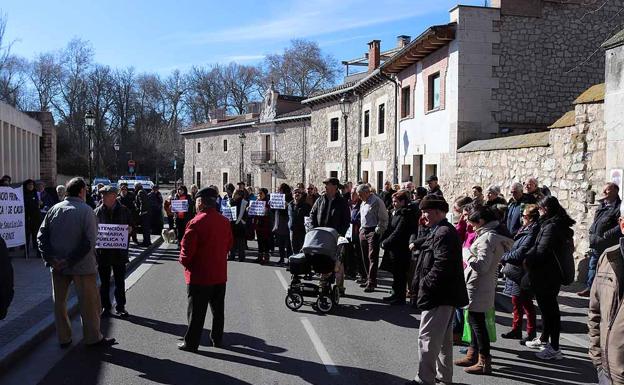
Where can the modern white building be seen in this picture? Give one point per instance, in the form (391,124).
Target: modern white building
(20,137)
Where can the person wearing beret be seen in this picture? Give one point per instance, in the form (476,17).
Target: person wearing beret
(111,211)
(433,186)
(205,245)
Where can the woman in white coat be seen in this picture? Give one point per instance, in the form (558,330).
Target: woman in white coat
(481,271)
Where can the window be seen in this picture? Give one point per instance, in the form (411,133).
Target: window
(434,92)
(333,174)
(431,169)
(224,179)
(366,123)
(381,119)
(249,180)
(224,145)
(405,102)
(380,181)
(406,173)
(198,180)
(365,176)
(333,132)
(198,147)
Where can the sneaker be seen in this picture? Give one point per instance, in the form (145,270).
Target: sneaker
(549,354)
(536,343)
(529,337)
(512,335)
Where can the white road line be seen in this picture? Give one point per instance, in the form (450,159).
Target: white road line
(281,278)
(320,348)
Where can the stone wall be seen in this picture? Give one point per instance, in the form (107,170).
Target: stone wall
(546,61)
(47,148)
(571,165)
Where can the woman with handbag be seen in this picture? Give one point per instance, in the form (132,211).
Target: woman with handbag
(545,275)
(521,298)
(492,241)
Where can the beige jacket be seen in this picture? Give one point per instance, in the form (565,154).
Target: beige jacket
(606,317)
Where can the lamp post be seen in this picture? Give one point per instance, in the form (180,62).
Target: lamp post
(116,147)
(175,169)
(345,108)
(242,138)
(89,119)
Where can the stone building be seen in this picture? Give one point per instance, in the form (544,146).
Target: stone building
(614,102)
(263,148)
(510,68)
(27,145)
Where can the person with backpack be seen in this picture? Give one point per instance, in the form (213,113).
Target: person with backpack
(550,263)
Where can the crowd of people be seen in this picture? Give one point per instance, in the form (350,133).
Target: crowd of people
(445,259)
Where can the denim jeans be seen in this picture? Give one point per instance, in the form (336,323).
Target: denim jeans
(593,265)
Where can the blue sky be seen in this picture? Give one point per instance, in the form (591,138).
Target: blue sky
(159,36)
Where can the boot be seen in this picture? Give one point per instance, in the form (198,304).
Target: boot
(482,367)
(469,359)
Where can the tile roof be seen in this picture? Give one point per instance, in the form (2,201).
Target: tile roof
(538,139)
(235,121)
(615,41)
(298,112)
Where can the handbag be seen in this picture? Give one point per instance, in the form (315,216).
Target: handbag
(513,272)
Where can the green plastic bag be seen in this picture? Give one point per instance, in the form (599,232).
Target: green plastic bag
(490,324)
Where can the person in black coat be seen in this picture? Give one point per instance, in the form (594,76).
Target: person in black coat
(386,195)
(544,273)
(156,201)
(439,288)
(32,214)
(298,209)
(112,212)
(127,199)
(331,209)
(521,299)
(6,280)
(604,231)
(145,218)
(397,244)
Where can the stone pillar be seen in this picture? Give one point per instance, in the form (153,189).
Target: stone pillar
(47,148)
(614,103)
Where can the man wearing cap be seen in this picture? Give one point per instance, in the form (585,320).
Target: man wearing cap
(374,221)
(438,288)
(433,186)
(205,246)
(331,209)
(112,212)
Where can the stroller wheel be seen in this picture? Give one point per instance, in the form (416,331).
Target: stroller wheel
(324,304)
(336,295)
(293,301)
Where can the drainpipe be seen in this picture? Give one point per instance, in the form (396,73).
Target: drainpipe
(359,141)
(395,156)
(303,161)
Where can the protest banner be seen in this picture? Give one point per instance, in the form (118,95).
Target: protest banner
(179,205)
(12,220)
(277,201)
(230,213)
(257,208)
(112,236)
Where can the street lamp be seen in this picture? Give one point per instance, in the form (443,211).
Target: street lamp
(175,170)
(116,147)
(89,119)
(345,108)
(242,138)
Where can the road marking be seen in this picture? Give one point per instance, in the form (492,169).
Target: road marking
(320,348)
(281,278)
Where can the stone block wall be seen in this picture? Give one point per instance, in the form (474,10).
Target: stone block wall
(571,165)
(546,61)
(47,148)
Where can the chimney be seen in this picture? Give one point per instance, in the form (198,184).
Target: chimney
(373,55)
(403,40)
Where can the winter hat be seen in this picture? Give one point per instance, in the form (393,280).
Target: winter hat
(434,202)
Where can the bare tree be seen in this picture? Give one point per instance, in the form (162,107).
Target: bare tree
(206,93)
(12,71)
(43,74)
(301,70)
(241,83)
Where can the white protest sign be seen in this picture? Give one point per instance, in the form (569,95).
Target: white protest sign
(230,213)
(307,223)
(257,208)
(12,221)
(179,205)
(277,201)
(112,236)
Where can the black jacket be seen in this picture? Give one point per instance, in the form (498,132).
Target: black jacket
(439,277)
(544,270)
(386,196)
(523,241)
(605,230)
(398,234)
(119,215)
(6,279)
(142,203)
(32,213)
(338,218)
(296,213)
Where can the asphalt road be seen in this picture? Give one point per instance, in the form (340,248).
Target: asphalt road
(363,342)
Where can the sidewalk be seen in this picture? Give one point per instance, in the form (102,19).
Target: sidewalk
(30,318)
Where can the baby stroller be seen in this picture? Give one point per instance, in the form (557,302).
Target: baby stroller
(321,250)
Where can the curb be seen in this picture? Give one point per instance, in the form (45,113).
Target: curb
(23,344)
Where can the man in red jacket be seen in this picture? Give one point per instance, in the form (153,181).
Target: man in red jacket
(205,246)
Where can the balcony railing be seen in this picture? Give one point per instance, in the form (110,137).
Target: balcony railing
(262,157)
